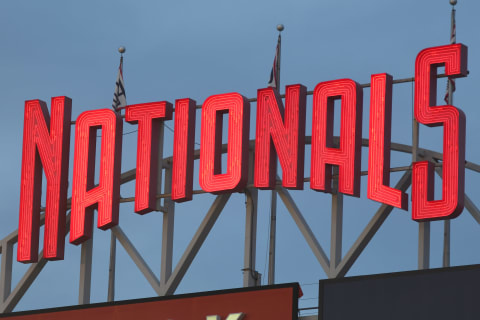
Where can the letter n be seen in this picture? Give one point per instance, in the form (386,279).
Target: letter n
(285,137)
(46,144)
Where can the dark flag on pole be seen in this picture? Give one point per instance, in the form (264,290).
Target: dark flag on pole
(451,81)
(119,98)
(275,74)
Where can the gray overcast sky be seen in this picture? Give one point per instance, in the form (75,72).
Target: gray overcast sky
(178,49)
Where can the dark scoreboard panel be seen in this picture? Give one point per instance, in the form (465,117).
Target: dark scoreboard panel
(437,294)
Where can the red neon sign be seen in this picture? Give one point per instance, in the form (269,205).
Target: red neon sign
(46,143)
(280,131)
(85,196)
(238,109)
(454,58)
(324,154)
(287,136)
(183,147)
(379,144)
(149,117)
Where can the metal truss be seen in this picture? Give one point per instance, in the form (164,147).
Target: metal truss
(334,265)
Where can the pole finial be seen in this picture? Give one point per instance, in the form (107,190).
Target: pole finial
(121,50)
(280,27)
(453,2)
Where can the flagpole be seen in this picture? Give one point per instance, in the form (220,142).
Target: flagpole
(446,225)
(273,200)
(280,28)
(121,50)
(113,239)
(119,97)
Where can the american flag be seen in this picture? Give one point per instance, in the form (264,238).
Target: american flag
(275,74)
(119,98)
(451,81)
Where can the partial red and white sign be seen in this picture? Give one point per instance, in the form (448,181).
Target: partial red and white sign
(279,302)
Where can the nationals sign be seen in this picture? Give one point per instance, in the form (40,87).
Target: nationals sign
(280,133)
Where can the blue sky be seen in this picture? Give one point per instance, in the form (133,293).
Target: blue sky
(179,49)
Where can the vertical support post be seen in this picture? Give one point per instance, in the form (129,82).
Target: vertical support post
(423,227)
(6,272)
(336,225)
(111,268)
(160,165)
(446,223)
(250,276)
(85,271)
(273,231)
(273,201)
(446,244)
(424,245)
(167,232)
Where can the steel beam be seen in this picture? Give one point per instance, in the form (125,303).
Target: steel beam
(472,208)
(394,146)
(446,228)
(85,271)
(137,258)
(250,275)
(336,224)
(446,243)
(6,272)
(370,230)
(195,244)
(167,232)
(111,267)
(272,240)
(446,223)
(304,229)
(13,236)
(24,284)
(423,245)
(160,164)
(423,227)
